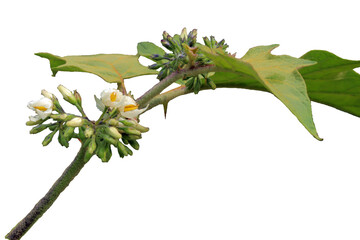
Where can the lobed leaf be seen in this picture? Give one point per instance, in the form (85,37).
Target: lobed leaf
(276,74)
(332,81)
(113,68)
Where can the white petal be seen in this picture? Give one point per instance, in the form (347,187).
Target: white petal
(126,100)
(31,105)
(34,118)
(133,113)
(106,98)
(42,114)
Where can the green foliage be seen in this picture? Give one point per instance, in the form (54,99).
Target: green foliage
(113,68)
(147,49)
(332,81)
(278,74)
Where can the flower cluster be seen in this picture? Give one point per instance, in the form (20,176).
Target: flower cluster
(118,124)
(126,105)
(185,55)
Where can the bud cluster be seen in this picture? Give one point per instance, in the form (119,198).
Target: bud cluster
(97,137)
(118,133)
(185,55)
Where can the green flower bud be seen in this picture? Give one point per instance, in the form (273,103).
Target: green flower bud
(75,122)
(134,144)
(121,150)
(67,94)
(89,131)
(211,83)
(221,43)
(183,35)
(112,122)
(39,128)
(131,137)
(190,83)
(167,45)
(128,150)
(156,57)
(61,117)
(155,66)
(53,126)
(125,141)
(104,152)
(163,73)
(127,123)
(68,132)
(141,128)
(91,148)
(78,98)
(109,139)
(197,85)
(166,35)
(132,131)
(47,94)
(57,106)
(48,138)
(213,41)
(32,123)
(113,132)
(192,37)
(82,133)
(62,140)
(207,41)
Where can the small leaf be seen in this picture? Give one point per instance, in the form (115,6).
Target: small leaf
(99,104)
(113,68)
(277,74)
(147,49)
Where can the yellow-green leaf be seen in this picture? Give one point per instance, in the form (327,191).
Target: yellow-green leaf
(277,74)
(113,68)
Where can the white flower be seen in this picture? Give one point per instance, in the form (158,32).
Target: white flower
(111,98)
(129,108)
(43,108)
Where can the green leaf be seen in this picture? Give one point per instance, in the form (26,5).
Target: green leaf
(146,49)
(333,81)
(113,68)
(277,74)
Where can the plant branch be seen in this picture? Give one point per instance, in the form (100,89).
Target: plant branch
(165,97)
(45,203)
(158,88)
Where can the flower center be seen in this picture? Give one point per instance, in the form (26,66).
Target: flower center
(113,96)
(130,107)
(41,108)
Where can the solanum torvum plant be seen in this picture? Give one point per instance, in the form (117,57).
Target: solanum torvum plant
(195,66)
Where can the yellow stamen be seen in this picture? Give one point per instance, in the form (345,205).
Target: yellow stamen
(113,96)
(41,108)
(130,107)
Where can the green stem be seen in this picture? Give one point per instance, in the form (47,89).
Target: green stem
(102,116)
(158,88)
(165,97)
(45,203)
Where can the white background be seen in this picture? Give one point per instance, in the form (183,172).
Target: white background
(225,164)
